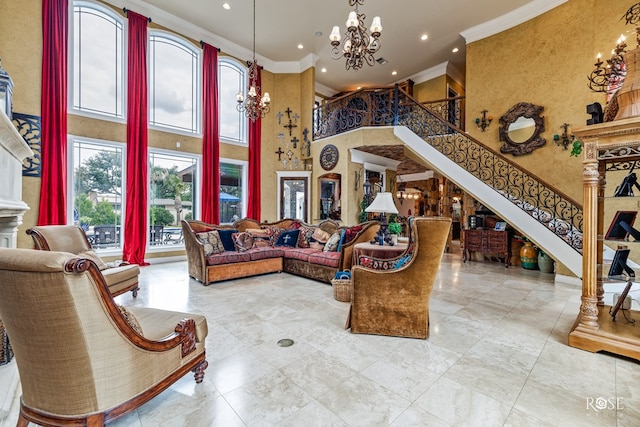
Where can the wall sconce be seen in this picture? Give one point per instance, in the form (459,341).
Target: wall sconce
(563,140)
(485,121)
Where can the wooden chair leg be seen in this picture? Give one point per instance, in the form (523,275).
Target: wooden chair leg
(199,371)
(22,421)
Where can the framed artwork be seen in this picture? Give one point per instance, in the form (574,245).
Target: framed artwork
(619,264)
(500,226)
(616,232)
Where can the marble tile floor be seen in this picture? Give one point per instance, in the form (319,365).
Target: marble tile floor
(497,356)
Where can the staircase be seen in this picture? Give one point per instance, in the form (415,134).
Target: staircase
(552,220)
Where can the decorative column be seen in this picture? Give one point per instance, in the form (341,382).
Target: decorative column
(588,317)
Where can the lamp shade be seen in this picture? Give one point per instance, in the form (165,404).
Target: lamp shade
(383,203)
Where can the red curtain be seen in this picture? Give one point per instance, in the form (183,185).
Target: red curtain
(135,222)
(210,137)
(53,187)
(253,205)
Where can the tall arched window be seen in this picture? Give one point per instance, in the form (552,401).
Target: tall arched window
(174,83)
(97,85)
(232,79)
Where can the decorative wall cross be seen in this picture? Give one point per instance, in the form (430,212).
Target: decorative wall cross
(279,117)
(290,125)
(295,141)
(279,153)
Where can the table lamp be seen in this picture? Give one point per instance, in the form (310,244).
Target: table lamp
(383,203)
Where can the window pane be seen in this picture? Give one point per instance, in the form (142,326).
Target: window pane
(173,84)
(97,192)
(172,194)
(232,81)
(97,61)
(232,191)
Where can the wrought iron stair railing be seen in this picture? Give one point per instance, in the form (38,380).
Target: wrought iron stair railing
(393,107)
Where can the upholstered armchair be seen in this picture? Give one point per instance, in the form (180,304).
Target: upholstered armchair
(396,302)
(82,359)
(72,239)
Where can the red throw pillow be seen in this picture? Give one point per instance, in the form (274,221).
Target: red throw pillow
(351,233)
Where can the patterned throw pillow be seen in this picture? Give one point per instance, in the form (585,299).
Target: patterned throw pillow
(131,319)
(332,243)
(288,238)
(274,233)
(320,235)
(305,236)
(351,233)
(211,241)
(243,241)
(261,237)
(316,245)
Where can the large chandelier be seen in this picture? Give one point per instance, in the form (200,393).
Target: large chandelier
(253,106)
(357,46)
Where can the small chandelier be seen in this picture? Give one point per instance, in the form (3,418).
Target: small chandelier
(254,106)
(358,46)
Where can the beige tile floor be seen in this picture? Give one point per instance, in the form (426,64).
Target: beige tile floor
(497,356)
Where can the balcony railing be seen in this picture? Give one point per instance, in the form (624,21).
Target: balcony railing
(393,107)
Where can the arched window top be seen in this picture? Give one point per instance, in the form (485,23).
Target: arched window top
(97,57)
(174,83)
(232,78)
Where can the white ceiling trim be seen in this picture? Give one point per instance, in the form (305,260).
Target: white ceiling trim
(428,74)
(421,176)
(510,20)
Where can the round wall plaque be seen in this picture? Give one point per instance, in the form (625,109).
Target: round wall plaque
(329,157)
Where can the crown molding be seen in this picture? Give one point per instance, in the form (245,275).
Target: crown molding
(428,74)
(325,91)
(509,20)
(373,161)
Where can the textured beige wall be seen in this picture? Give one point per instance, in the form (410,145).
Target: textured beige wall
(431,90)
(21,52)
(545,62)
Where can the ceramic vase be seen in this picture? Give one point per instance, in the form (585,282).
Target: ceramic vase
(529,256)
(545,262)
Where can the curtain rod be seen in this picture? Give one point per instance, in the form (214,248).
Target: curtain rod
(126,11)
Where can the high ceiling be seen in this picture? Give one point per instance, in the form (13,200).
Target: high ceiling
(283,24)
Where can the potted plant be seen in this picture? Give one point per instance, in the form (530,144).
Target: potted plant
(395,229)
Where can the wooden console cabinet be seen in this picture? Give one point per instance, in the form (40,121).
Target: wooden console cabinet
(486,241)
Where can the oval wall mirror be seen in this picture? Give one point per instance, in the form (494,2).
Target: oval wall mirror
(520,129)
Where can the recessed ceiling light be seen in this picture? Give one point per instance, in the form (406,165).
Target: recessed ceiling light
(455,50)
(359,87)
(300,46)
(393,73)
(226,6)
(318,33)
(424,37)
(324,70)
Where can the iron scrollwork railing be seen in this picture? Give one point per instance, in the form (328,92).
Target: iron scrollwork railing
(391,106)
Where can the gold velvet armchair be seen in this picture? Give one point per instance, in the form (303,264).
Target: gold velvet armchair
(72,239)
(396,302)
(82,359)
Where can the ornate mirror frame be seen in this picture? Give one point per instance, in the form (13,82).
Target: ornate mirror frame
(528,111)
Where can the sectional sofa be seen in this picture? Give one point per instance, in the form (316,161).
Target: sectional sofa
(248,247)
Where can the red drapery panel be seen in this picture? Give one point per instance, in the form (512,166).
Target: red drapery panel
(253,205)
(135,222)
(53,187)
(210,137)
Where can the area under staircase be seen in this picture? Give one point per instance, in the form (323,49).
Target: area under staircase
(552,220)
